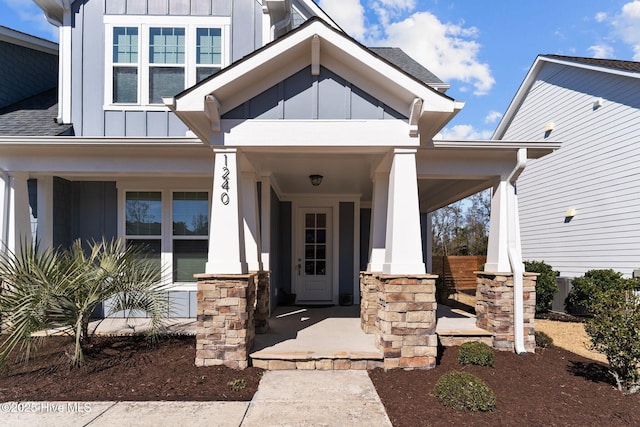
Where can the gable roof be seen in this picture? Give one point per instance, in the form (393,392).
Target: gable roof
(400,59)
(34,116)
(612,66)
(314,43)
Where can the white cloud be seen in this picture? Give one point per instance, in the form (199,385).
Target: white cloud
(627,26)
(29,13)
(463,132)
(601,16)
(387,10)
(601,51)
(493,117)
(450,51)
(349,14)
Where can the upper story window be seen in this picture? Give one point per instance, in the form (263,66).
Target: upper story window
(153,57)
(125,64)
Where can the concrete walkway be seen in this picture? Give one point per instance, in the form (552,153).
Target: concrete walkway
(284,398)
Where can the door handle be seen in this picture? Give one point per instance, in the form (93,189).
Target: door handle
(299,266)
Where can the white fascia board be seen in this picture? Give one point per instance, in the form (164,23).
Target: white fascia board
(534,149)
(95,156)
(515,103)
(315,133)
(53,141)
(18,38)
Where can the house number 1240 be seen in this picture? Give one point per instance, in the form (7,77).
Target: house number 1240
(225,182)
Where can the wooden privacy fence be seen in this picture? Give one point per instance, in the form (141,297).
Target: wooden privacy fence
(456,272)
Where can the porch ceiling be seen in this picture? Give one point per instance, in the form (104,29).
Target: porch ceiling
(343,173)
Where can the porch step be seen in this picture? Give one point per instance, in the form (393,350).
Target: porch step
(308,360)
(456,327)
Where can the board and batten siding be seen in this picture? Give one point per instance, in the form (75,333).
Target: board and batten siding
(303,96)
(88,65)
(596,171)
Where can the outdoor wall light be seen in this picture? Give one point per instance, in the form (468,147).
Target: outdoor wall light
(315,179)
(549,127)
(597,103)
(570,213)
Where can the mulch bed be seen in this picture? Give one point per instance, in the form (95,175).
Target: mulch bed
(552,387)
(124,369)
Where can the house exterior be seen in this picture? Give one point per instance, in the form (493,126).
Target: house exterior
(578,205)
(258,150)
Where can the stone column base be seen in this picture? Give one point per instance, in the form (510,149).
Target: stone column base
(225,328)
(368,302)
(261,315)
(494,308)
(405,319)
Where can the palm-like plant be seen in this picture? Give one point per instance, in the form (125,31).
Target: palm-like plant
(45,289)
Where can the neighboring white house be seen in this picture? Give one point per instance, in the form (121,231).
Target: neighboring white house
(240,136)
(579,206)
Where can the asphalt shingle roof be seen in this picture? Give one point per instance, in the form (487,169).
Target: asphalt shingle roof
(33,116)
(400,59)
(608,63)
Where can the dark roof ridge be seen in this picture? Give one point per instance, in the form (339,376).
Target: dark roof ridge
(601,62)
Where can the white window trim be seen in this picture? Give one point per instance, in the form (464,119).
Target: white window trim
(166,237)
(143,23)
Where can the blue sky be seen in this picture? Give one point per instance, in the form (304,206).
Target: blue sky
(483,48)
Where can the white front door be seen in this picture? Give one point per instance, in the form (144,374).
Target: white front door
(313,257)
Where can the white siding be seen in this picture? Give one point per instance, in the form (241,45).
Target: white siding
(597,171)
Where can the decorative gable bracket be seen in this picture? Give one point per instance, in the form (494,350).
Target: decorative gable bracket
(416,111)
(212,110)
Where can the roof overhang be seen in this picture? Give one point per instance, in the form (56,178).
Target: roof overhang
(453,170)
(25,40)
(313,44)
(54,10)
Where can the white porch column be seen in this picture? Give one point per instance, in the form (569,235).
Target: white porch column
(378,231)
(403,246)
(265,221)
(4,209)
(427,241)
(249,194)
(226,231)
(504,227)
(45,211)
(19,223)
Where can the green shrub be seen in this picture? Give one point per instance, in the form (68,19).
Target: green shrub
(464,391)
(237,384)
(585,288)
(615,331)
(475,353)
(546,286)
(543,340)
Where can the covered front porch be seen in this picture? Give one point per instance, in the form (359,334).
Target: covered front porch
(313,337)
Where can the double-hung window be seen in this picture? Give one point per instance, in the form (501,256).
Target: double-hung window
(125,65)
(166,62)
(181,244)
(143,221)
(190,211)
(151,57)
